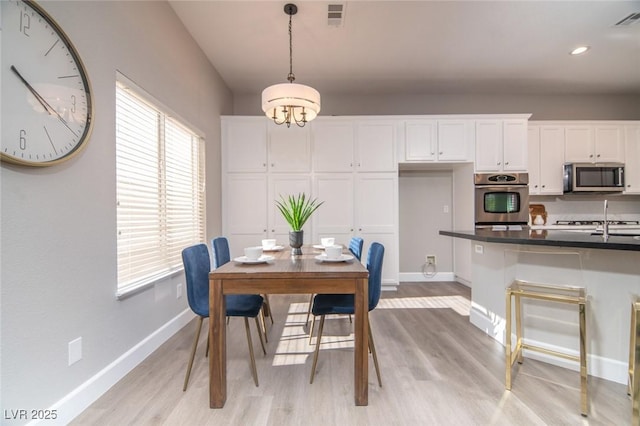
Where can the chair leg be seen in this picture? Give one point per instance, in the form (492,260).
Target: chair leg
(313,325)
(372,346)
(206,352)
(264,323)
(309,308)
(269,311)
(193,354)
(264,351)
(254,372)
(315,356)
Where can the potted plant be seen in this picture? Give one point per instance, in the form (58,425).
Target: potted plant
(296,210)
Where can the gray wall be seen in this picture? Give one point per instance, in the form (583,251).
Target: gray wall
(422,196)
(543,107)
(58,253)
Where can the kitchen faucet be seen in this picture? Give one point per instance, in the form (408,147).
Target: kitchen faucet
(605,224)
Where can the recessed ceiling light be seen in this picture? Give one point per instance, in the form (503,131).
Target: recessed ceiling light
(580,50)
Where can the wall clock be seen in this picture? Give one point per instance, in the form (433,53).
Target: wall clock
(46,96)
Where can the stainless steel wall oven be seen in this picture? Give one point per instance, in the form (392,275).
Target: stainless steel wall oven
(501,199)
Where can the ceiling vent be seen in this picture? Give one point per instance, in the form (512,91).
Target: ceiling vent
(335,14)
(633,18)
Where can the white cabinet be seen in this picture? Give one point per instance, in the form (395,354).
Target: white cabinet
(253,144)
(289,149)
(546,158)
(632,161)
(501,145)
(285,185)
(244,210)
(341,145)
(437,140)
(594,143)
(360,204)
(245,144)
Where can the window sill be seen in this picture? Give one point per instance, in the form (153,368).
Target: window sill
(133,289)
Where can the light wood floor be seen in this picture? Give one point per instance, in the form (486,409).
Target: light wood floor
(437,369)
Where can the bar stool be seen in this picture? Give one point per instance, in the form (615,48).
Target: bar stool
(634,361)
(520,289)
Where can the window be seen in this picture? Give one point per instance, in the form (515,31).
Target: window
(160,188)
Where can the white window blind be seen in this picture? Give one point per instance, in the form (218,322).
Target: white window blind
(160,189)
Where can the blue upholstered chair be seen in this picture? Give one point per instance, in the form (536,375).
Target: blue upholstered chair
(326,304)
(222,255)
(355,247)
(197,265)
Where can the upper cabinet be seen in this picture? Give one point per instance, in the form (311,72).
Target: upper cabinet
(245,144)
(346,145)
(501,145)
(632,161)
(428,140)
(253,144)
(594,143)
(546,157)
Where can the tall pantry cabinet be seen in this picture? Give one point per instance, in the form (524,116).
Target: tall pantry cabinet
(348,163)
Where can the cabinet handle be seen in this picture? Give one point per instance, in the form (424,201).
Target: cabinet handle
(272,164)
(598,155)
(440,153)
(264,230)
(350,164)
(590,155)
(535,186)
(351,229)
(264,164)
(359,229)
(506,163)
(273,230)
(544,186)
(498,163)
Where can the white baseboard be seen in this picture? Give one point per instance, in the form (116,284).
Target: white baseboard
(84,395)
(414,277)
(605,368)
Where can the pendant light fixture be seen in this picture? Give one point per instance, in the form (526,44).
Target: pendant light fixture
(290,102)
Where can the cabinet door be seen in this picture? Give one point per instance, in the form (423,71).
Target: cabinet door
(609,145)
(420,140)
(454,142)
(285,185)
(333,145)
(533,158)
(377,218)
(375,146)
(578,146)
(632,162)
(514,145)
(244,143)
(244,211)
(551,160)
(488,145)
(335,217)
(289,149)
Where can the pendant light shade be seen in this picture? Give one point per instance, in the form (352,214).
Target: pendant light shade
(288,103)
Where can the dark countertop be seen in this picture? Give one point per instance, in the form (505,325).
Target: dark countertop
(549,238)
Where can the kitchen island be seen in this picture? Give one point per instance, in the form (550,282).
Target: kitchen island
(609,270)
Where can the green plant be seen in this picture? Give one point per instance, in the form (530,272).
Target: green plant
(296,210)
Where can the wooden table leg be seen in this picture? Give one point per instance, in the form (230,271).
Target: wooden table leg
(361,350)
(217,346)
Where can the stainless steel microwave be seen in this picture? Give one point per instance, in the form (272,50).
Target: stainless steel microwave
(596,177)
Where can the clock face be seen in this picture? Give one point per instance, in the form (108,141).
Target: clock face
(46,100)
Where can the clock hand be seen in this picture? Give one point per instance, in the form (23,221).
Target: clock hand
(42,101)
(32,90)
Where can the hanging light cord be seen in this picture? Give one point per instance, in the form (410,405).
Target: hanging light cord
(290,77)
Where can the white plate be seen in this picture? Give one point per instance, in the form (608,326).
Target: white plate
(343,258)
(274,248)
(261,259)
(318,246)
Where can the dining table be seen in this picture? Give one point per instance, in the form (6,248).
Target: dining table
(279,272)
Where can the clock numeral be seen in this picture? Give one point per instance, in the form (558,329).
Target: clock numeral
(23,139)
(73,104)
(25,24)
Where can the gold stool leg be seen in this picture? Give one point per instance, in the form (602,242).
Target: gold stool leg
(632,349)
(584,405)
(519,330)
(636,362)
(507,339)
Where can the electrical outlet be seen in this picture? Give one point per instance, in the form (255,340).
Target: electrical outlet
(430,259)
(479,248)
(179,291)
(75,350)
